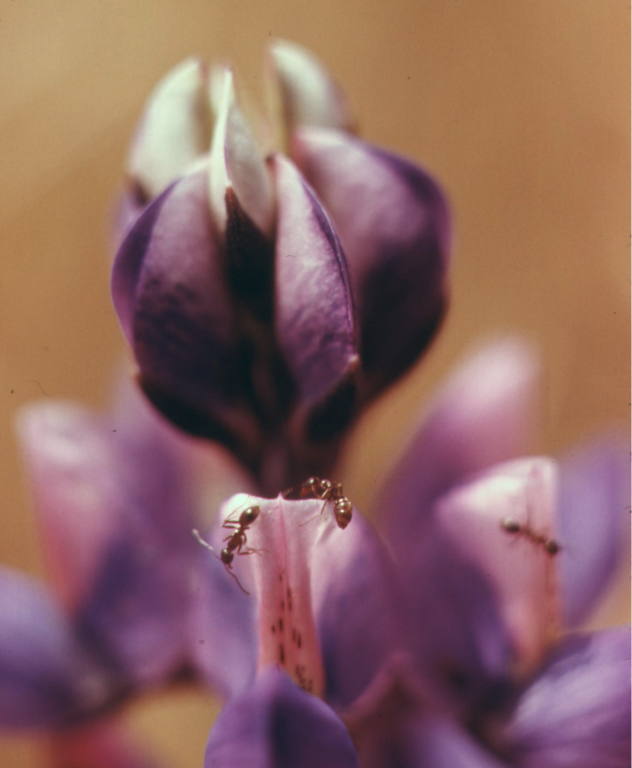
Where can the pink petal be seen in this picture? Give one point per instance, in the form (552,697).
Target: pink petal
(115,517)
(283,537)
(477,519)
(77,498)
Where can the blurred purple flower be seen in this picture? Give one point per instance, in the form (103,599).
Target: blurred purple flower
(455,651)
(267,301)
(116,501)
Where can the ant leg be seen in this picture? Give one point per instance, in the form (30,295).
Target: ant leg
(229,570)
(248,550)
(200,540)
(315,516)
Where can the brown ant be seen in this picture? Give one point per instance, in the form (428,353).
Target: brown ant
(236,542)
(513,526)
(315,488)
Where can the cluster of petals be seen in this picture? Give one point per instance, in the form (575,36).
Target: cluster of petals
(449,640)
(439,639)
(267,297)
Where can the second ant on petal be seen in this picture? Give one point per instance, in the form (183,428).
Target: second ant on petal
(513,526)
(315,488)
(236,542)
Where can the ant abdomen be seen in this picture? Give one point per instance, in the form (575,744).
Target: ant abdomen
(343,510)
(248,516)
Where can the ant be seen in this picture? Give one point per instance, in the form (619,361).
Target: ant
(513,526)
(236,542)
(315,488)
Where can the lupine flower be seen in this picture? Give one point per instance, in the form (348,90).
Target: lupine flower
(267,300)
(455,650)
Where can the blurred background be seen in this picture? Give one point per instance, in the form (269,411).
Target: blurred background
(520,109)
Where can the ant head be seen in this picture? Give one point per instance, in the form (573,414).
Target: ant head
(551,546)
(249,515)
(310,487)
(226,556)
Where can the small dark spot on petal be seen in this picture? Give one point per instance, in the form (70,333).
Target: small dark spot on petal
(281,653)
(273,628)
(299,640)
(280,625)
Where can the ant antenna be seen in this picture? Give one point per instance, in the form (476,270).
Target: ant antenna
(200,540)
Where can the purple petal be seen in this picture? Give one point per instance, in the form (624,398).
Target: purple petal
(45,680)
(441,743)
(483,416)
(308,94)
(169,465)
(169,292)
(393,223)
(222,629)
(314,309)
(174,131)
(72,463)
(127,207)
(276,724)
(118,534)
(136,611)
(356,607)
(576,714)
(461,644)
(594,512)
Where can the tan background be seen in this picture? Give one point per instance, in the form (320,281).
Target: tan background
(520,108)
